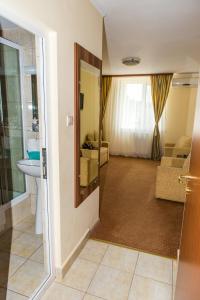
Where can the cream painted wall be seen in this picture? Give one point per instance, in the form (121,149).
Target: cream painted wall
(191,111)
(63,22)
(179,112)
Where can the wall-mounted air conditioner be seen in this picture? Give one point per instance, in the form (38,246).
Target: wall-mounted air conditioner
(185,80)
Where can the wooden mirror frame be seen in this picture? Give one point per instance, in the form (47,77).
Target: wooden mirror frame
(82,54)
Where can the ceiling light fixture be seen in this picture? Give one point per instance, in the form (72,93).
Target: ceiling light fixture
(131,61)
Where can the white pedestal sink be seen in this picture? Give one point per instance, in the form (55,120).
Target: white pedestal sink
(32,168)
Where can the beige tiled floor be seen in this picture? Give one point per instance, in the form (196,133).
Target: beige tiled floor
(13,261)
(25,259)
(27,278)
(104,271)
(9,295)
(154,267)
(38,256)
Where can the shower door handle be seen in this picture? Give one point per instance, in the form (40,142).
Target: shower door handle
(44,163)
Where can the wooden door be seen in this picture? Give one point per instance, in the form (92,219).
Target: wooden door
(188,279)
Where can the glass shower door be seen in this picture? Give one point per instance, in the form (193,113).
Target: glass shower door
(12,181)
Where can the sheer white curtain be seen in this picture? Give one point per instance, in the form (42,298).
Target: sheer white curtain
(129,118)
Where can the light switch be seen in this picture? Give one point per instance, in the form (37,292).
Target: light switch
(69,121)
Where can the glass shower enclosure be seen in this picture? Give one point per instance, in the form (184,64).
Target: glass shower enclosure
(12,181)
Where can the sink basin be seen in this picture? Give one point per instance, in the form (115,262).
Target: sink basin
(30,167)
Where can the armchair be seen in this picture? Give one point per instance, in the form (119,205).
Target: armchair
(93,153)
(104,151)
(88,170)
(167,183)
(93,138)
(180,149)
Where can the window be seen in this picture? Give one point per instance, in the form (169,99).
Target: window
(129,119)
(138,115)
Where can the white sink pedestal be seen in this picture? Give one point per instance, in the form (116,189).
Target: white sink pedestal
(32,168)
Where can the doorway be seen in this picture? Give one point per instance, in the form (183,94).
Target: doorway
(25,251)
(142,202)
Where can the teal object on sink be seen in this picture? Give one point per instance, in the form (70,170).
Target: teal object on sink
(34,155)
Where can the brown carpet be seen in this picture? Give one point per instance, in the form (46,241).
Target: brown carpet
(129,213)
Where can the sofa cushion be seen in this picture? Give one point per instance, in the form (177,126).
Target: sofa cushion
(183,142)
(178,162)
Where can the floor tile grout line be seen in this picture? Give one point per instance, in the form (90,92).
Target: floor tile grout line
(16,270)
(130,248)
(78,257)
(12,239)
(23,230)
(69,286)
(118,269)
(65,285)
(17,293)
(31,234)
(26,259)
(36,250)
(25,220)
(12,253)
(154,278)
(87,259)
(133,276)
(29,224)
(36,261)
(109,246)
(99,264)
(115,268)
(102,264)
(92,295)
(7,251)
(166,283)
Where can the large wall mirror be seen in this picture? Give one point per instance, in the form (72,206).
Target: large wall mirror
(87,123)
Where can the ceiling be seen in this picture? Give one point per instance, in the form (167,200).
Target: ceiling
(165,34)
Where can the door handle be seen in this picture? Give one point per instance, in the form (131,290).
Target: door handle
(182,178)
(188,190)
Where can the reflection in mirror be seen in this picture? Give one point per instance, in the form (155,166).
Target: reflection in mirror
(89,125)
(35,116)
(30,73)
(87,110)
(34,96)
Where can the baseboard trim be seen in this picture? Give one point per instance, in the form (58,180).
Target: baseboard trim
(61,272)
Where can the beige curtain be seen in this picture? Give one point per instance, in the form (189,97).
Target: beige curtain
(160,85)
(106,85)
